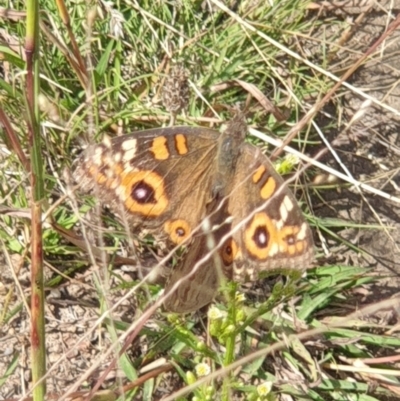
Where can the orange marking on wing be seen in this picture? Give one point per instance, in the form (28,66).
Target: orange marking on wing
(178,230)
(159,148)
(268,188)
(108,175)
(258,174)
(300,245)
(99,177)
(151,179)
(260,220)
(181,144)
(229,251)
(287,231)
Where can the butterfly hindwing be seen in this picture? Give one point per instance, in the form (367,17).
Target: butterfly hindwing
(195,280)
(272,232)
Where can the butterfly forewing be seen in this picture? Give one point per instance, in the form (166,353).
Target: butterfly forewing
(157,176)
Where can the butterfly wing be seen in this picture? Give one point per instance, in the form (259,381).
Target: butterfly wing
(260,228)
(195,280)
(160,177)
(269,230)
(167,180)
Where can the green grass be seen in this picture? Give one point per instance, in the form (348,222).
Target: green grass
(292,335)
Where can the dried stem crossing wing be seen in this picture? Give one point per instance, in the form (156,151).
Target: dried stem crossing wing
(172,180)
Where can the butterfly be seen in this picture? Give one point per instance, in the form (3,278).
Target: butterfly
(210,191)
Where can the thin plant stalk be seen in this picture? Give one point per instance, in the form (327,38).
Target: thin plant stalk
(38,355)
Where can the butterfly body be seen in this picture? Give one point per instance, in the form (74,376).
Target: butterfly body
(210,191)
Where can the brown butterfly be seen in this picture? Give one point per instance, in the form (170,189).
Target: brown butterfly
(212,192)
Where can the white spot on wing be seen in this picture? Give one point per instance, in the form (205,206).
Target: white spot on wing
(129,155)
(120,192)
(283,212)
(251,274)
(279,224)
(117,157)
(274,250)
(97,156)
(301,235)
(129,148)
(129,144)
(285,208)
(107,141)
(288,203)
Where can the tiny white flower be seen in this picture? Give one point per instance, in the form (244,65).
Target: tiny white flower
(292,159)
(264,389)
(214,313)
(202,369)
(240,297)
